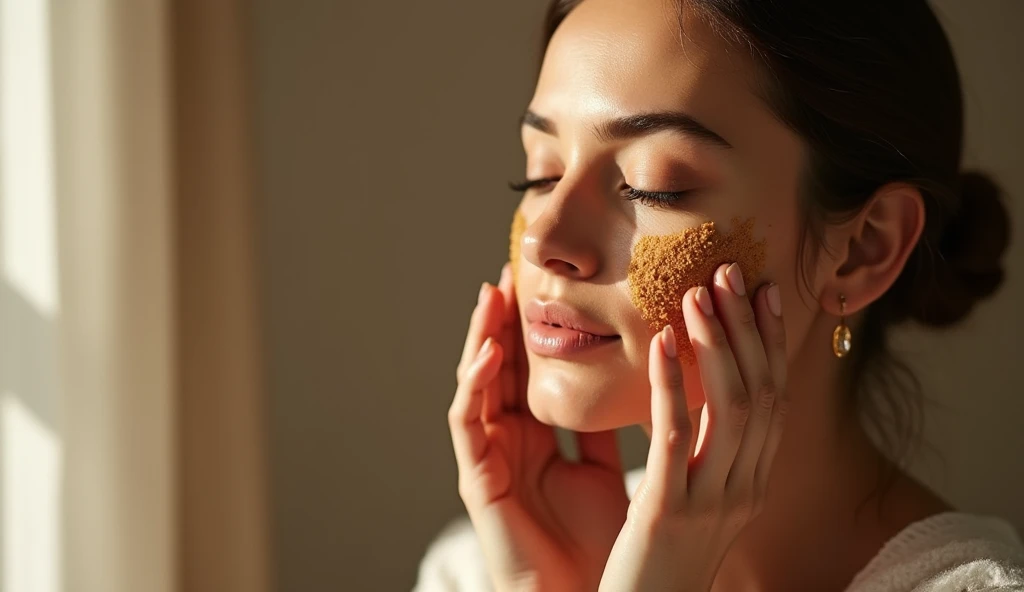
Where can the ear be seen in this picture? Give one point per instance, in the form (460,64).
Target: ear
(873,247)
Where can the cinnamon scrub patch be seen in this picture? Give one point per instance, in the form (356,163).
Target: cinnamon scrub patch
(663,268)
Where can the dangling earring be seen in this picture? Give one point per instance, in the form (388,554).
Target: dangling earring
(841,337)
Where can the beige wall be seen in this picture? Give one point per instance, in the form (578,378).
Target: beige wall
(385,133)
(973,372)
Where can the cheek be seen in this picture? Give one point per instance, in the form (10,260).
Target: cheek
(663,268)
(515,238)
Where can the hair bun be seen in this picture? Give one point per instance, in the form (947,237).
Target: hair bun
(968,265)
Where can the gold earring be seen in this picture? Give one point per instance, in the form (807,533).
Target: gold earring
(841,337)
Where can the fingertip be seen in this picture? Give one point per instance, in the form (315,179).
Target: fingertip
(769,310)
(689,294)
(774,299)
(655,357)
(507,288)
(485,349)
(665,372)
(653,345)
(492,299)
(489,351)
(702,297)
(693,312)
(497,348)
(668,342)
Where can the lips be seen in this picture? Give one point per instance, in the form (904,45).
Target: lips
(557,329)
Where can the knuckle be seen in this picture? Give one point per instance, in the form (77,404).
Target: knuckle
(678,437)
(466,489)
(708,513)
(471,373)
(475,316)
(746,318)
(737,505)
(742,512)
(471,485)
(454,415)
(782,403)
(757,505)
(739,408)
(766,395)
(674,379)
(638,513)
(718,338)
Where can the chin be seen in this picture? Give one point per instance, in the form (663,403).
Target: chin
(587,400)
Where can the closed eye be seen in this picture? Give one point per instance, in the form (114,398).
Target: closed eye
(527,184)
(648,198)
(655,198)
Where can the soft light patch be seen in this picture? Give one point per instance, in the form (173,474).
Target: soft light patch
(663,268)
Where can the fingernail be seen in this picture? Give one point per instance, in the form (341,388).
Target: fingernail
(704,301)
(774,300)
(486,347)
(504,272)
(735,277)
(668,341)
(480,297)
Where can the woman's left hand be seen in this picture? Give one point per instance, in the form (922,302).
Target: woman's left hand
(688,510)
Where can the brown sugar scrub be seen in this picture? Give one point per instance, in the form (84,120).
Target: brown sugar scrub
(514,241)
(663,268)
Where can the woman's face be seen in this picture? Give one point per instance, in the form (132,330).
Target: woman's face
(612,59)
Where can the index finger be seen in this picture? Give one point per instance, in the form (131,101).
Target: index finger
(668,460)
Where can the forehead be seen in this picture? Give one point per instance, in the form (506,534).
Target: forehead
(612,58)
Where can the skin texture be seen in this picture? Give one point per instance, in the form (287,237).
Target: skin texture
(578,236)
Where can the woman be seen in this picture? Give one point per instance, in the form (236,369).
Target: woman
(727,206)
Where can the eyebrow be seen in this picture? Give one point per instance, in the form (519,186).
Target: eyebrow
(634,126)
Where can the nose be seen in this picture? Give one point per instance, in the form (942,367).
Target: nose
(565,238)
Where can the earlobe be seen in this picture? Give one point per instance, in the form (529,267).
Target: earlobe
(879,240)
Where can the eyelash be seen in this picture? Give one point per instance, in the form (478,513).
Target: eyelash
(648,198)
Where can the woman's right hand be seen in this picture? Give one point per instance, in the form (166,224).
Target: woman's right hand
(544,522)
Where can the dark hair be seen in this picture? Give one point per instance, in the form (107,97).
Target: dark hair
(873,89)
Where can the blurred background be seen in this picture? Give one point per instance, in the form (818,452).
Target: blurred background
(239,246)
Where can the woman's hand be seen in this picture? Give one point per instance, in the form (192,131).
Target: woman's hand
(544,523)
(687,511)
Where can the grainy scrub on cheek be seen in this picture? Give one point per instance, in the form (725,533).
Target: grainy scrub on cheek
(518,227)
(663,268)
